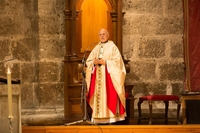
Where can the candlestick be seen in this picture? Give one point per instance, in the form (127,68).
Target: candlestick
(9,93)
(8,65)
(10,127)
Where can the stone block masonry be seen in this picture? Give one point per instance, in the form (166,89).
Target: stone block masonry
(33,32)
(152,41)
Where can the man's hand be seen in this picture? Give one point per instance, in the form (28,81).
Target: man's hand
(96,61)
(99,61)
(102,62)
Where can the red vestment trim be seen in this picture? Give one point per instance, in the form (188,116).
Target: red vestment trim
(92,86)
(112,96)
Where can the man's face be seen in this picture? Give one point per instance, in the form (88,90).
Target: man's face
(103,35)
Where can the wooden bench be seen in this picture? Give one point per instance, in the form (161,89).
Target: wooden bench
(165,99)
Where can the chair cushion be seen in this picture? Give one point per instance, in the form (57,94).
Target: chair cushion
(160,97)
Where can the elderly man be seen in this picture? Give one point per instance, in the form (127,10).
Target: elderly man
(105,76)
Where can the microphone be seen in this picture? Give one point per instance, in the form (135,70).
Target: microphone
(84,76)
(83,60)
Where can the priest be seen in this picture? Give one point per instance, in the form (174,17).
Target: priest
(105,77)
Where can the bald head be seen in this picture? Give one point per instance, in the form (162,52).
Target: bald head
(103,35)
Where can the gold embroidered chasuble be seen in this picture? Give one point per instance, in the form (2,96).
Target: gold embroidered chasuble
(115,67)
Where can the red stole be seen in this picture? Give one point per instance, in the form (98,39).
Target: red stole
(112,96)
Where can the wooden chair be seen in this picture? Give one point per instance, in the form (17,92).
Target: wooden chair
(165,99)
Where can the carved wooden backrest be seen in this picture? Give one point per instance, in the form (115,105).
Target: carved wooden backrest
(84,18)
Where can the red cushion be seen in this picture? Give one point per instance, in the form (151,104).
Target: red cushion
(159,97)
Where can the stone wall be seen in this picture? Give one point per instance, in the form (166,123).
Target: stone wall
(33,32)
(152,41)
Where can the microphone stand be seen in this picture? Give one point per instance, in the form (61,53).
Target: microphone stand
(83,96)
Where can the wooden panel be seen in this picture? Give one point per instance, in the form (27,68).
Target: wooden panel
(114,129)
(188,96)
(93,19)
(76,108)
(33,129)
